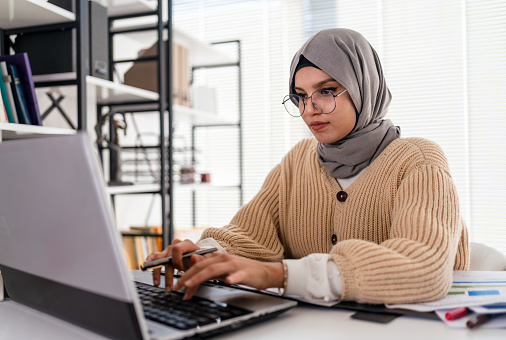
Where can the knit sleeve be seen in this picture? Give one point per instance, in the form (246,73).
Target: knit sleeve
(253,232)
(416,261)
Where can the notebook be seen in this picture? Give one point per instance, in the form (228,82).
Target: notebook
(61,253)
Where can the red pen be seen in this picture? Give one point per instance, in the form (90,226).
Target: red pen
(456,313)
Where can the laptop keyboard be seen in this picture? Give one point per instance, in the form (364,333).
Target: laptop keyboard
(170,308)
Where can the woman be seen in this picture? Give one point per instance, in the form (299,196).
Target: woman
(355,213)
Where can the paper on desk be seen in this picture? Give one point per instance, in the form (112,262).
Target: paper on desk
(469,288)
(490,309)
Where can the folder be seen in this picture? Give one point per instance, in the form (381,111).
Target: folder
(6,78)
(3,113)
(22,63)
(19,97)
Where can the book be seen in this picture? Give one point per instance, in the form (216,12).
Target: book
(139,251)
(3,114)
(19,97)
(147,230)
(139,242)
(5,110)
(6,79)
(21,61)
(131,256)
(155,243)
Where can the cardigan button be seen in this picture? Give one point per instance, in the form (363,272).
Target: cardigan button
(342,196)
(334,239)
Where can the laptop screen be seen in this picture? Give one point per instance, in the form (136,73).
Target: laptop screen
(60,251)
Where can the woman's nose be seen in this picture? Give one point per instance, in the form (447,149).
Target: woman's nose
(310,108)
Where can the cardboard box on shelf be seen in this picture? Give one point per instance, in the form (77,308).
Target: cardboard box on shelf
(143,74)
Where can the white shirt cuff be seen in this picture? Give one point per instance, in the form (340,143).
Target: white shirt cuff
(209,243)
(315,276)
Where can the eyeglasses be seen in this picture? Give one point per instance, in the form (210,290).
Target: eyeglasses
(324,101)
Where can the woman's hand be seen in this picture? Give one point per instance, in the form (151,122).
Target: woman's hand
(231,269)
(176,250)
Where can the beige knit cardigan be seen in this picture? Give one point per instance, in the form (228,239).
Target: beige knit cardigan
(399,231)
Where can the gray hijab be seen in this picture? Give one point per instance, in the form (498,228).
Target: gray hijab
(348,57)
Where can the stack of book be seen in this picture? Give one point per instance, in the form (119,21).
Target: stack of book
(140,242)
(18,102)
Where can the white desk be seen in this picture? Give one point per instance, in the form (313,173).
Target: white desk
(304,323)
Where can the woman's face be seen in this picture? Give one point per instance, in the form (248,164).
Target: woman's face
(326,127)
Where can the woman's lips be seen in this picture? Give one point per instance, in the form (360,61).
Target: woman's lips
(318,125)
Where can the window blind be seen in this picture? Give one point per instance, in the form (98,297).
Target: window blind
(444,61)
(486,72)
(269,32)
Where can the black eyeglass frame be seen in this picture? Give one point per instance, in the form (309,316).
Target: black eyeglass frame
(296,98)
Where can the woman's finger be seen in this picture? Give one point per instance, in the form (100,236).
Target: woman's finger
(157,271)
(159,255)
(202,262)
(178,250)
(169,277)
(204,270)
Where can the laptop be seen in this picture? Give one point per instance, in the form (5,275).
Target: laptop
(61,253)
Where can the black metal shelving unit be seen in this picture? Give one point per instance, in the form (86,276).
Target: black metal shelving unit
(163,105)
(81,25)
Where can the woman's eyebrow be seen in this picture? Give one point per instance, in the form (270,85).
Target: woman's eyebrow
(320,83)
(323,82)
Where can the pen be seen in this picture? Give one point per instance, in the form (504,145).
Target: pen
(478,320)
(456,313)
(166,260)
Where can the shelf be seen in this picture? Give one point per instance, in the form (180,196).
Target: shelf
(199,53)
(181,113)
(155,188)
(23,13)
(133,189)
(142,234)
(16,131)
(106,91)
(198,117)
(123,7)
(111,92)
(205,186)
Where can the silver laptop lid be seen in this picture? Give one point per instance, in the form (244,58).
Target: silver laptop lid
(58,237)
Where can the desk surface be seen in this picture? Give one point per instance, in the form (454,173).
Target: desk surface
(302,322)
